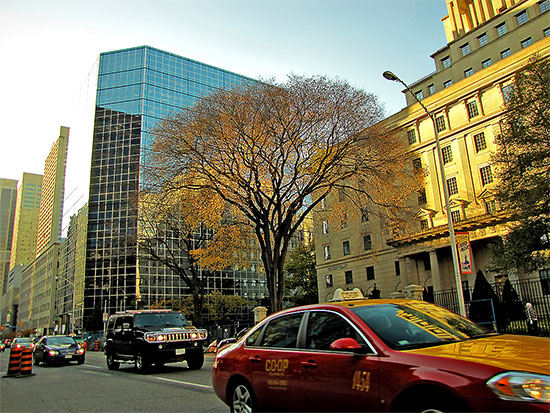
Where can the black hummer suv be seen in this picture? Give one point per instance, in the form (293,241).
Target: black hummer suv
(153,336)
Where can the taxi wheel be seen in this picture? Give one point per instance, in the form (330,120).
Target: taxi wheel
(242,399)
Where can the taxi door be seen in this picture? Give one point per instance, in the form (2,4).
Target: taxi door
(272,365)
(337,380)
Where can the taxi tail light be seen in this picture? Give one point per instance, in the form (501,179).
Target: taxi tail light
(521,386)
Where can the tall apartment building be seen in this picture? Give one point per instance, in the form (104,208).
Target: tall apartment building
(488,42)
(53,190)
(136,88)
(8,201)
(23,248)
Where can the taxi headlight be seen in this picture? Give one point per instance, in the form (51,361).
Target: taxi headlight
(52,352)
(514,385)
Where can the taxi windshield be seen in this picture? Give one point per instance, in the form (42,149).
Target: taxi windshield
(415,325)
(162,320)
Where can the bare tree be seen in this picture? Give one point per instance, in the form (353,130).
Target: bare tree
(275,150)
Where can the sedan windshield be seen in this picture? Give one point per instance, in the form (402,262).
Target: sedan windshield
(415,325)
(156,320)
(60,341)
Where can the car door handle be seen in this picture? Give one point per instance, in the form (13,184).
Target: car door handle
(255,359)
(309,364)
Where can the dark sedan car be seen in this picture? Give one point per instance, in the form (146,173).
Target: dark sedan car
(58,349)
(22,342)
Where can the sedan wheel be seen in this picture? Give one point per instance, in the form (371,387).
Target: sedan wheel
(242,399)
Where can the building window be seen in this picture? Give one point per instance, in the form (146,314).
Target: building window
(419,95)
(447,154)
(501,29)
(522,17)
(446,62)
(424,225)
(345,247)
(447,83)
(545,281)
(344,221)
(431,88)
(411,134)
(327,252)
(417,165)
(472,109)
(546,32)
(486,63)
(349,277)
(505,53)
(479,141)
(482,39)
(364,214)
(486,175)
(544,6)
(324,203)
(422,199)
(527,42)
(452,186)
(465,49)
(468,72)
(455,216)
(367,242)
(370,273)
(397,268)
(491,206)
(328,279)
(325,227)
(507,92)
(440,123)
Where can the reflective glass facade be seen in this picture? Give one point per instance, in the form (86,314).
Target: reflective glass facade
(136,88)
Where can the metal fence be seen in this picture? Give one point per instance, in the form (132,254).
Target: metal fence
(506,312)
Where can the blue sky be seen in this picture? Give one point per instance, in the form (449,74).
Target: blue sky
(49,48)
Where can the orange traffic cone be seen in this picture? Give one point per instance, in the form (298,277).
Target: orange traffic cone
(14,365)
(26,362)
(96,345)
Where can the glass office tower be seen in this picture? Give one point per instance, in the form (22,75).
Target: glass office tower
(136,88)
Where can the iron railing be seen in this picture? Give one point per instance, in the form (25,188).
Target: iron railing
(506,312)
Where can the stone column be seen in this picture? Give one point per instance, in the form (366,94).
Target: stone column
(436,277)
(259,314)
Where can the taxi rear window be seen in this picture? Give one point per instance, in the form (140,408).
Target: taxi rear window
(416,325)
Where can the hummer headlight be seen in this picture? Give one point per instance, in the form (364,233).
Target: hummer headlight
(160,337)
(519,386)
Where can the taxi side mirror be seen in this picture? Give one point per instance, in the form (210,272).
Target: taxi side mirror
(347,344)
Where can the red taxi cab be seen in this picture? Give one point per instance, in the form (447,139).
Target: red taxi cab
(381,355)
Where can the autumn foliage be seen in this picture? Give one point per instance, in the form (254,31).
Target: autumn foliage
(272,151)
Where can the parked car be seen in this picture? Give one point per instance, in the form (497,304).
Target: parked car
(80,340)
(20,343)
(381,355)
(58,349)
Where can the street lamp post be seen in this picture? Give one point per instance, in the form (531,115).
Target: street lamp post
(462,309)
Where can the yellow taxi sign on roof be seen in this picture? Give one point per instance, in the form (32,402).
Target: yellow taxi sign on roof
(345,295)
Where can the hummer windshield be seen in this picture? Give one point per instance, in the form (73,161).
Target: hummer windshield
(160,320)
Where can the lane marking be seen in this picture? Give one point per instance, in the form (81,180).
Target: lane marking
(186,383)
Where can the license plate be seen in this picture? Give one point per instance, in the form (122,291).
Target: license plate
(68,356)
(180,351)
